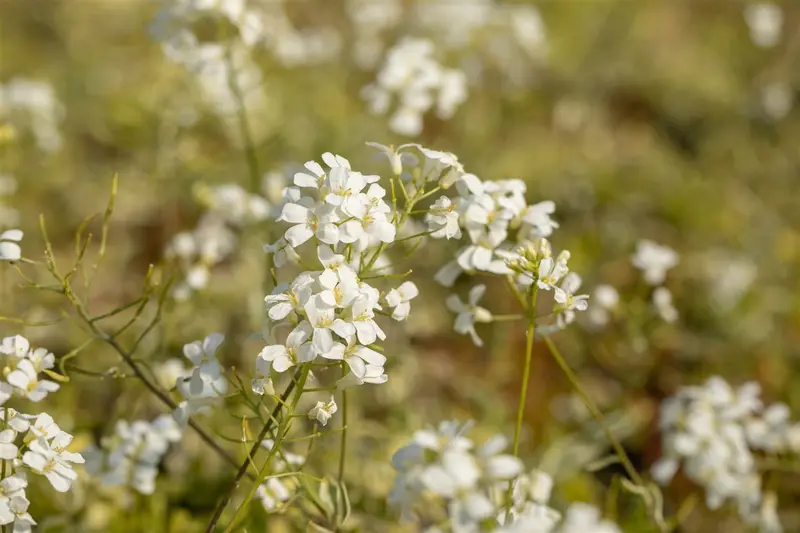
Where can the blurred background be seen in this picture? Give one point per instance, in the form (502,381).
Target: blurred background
(671,121)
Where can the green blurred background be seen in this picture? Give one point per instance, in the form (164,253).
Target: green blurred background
(658,120)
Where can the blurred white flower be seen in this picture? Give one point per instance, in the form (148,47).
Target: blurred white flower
(469,313)
(654,260)
(662,301)
(9,249)
(765,21)
(605,300)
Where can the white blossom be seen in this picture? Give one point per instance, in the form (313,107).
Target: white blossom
(654,260)
(569,302)
(469,313)
(10,250)
(765,21)
(605,300)
(52,460)
(662,301)
(322,411)
(400,299)
(442,219)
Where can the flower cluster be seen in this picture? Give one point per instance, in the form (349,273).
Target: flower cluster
(22,368)
(419,82)
(214,239)
(32,443)
(130,457)
(29,443)
(329,314)
(442,477)
(33,103)
(715,433)
(445,466)
(530,511)
(654,260)
(225,74)
(205,383)
(488,212)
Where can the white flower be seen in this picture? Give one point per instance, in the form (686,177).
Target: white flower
(374,375)
(25,380)
(764,20)
(336,269)
(272,493)
(662,301)
(654,260)
(400,299)
(605,299)
(131,456)
(417,80)
(442,219)
(345,185)
(551,271)
(12,488)
(8,449)
(324,322)
(295,351)
(285,299)
(363,320)
(443,167)
(314,178)
(469,313)
(323,412)
(396,156)
(17,346)
(204,352)
(43,427)
(495,465)
(206,382)
(362,360)
(53,461)
(309,222)
(705,431)
(9,249)
(568,301)
(537,216)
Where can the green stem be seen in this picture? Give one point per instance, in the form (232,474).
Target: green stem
(279,436)
(506,318)
(523,393)
(595,412)
(343,436)
(254,449)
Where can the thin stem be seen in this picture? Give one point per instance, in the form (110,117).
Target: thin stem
(595,412)
(506,318)
(416,236)
(253,450)
(280,434)
(244,126)
(523,393)
(343,436)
